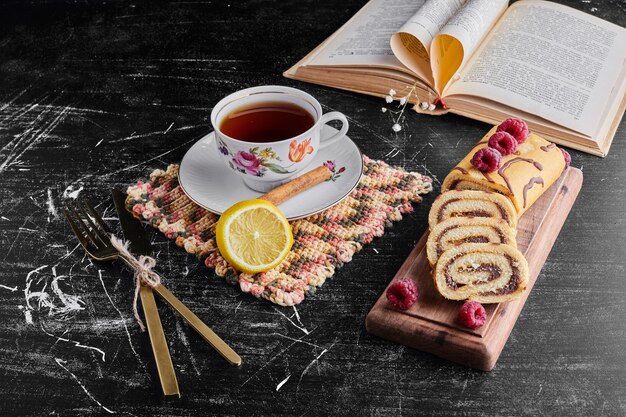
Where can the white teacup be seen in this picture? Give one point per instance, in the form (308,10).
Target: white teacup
(263,166)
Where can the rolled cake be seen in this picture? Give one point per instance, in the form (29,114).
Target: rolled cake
(522,176)
(456,231)
(483,272)
(472,203)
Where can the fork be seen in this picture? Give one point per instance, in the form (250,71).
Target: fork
(99,247)
(94,238)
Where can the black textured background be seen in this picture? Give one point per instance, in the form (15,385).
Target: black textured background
(95,94)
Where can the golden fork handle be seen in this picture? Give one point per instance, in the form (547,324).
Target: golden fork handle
(198,325)
(161,352)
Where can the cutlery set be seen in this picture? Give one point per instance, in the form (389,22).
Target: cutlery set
(95,237)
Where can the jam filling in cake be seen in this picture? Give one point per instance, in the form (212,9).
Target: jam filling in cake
(483,272)
(472,203)
(456,231)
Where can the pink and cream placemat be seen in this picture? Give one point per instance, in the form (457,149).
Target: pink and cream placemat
(322,242)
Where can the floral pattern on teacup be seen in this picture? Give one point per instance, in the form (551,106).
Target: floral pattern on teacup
(255,161)
(223,148)
(334,172)
(297,151)
(248,163)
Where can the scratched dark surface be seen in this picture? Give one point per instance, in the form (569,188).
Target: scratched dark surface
(96,94)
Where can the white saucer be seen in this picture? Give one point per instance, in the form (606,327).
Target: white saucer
(212,185)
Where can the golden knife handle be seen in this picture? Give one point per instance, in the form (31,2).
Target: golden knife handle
(161,352)
(199,326)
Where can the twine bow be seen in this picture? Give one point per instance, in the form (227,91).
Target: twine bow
(142,267)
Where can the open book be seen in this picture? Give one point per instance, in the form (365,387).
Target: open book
(559,69)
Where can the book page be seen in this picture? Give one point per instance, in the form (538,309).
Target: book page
(364,40)
(459,38)
(412,42)
(549,60)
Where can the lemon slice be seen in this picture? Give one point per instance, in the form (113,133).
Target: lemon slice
(253,236)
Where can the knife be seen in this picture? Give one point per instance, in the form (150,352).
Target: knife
(139,244)
(136,234)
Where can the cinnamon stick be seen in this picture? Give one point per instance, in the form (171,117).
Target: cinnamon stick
(284,192)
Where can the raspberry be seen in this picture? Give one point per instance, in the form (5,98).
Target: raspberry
(503,142)
(403,293)
(567,156)
(487,159)
(472,314)
(516,128)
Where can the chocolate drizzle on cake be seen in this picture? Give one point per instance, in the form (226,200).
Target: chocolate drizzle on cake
(487,176)
(462,170)
(531,183)
(510,162)
(547,148)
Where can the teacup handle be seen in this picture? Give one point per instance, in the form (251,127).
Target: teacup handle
(334,115)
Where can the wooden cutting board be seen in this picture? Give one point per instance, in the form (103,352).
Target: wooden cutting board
(431,325)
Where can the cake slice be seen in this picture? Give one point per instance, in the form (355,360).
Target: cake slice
(455,231)
(483,272)
(472,203)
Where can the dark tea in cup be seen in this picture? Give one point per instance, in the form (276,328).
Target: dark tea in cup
(270,133)
(264,122)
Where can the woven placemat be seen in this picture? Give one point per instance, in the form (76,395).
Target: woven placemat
(322,242)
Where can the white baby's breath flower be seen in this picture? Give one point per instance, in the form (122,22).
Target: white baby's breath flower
(431,107)
(397,114)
